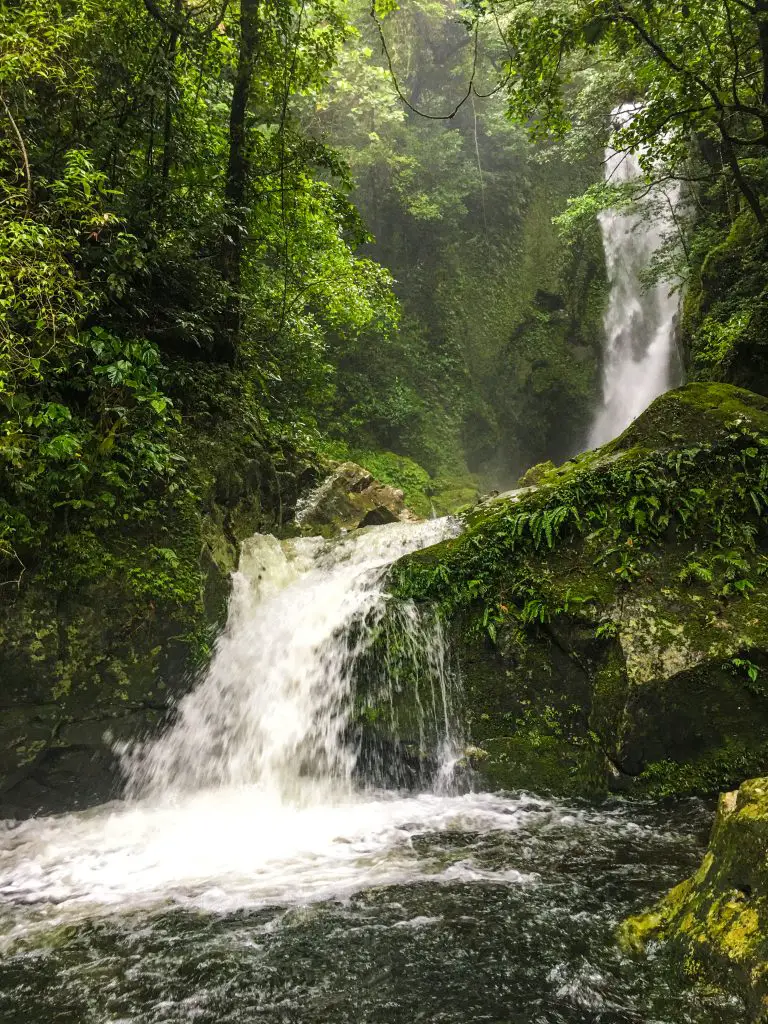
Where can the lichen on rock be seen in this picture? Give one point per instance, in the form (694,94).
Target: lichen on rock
(612,623)
(716,922)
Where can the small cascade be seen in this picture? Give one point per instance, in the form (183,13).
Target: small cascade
(407,685)
(640,358)
(283,776)
(276,709)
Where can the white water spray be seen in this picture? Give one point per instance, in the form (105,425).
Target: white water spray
(275,708)
(252,796)
(640,360)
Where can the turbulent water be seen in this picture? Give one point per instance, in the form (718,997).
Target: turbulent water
(255,872)
(274,710)
(640,360)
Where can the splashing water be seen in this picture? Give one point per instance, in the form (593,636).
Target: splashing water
(275,708)
(252,875)
(253,789)
(640,359)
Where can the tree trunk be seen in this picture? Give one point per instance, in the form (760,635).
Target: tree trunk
(235,191)
(761,11)
(171,51)
(752,198)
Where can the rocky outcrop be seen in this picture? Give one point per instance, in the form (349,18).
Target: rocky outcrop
(724,329)
(611,624)
(717,921)
(99,639)
(104,631)
(350,497)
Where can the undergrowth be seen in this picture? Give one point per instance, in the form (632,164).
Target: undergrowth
(614,513)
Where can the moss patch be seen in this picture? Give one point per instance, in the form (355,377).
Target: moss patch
(624,598)
(717,921)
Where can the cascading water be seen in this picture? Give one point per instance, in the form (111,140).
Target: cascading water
(640,360)
(251,794)
(252,875)
(274,710)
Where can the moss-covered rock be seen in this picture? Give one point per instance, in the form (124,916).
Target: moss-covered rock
(348,498)
(725,314)
(717,920)
(612,624)
(107,626)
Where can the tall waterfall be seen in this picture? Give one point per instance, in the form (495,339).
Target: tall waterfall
(640,360)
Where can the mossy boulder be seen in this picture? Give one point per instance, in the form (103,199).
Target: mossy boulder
(725,313)
(716,922)
(348,498)
(612,625)
(537,474)
(108,626)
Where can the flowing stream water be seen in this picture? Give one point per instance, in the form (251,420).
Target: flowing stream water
(640,359)
(258,869)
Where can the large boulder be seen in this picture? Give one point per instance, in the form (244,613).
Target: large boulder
(350,497)
(716,922)
(611,625)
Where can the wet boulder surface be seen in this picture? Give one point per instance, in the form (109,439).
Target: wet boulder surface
(611,625)
(716,921)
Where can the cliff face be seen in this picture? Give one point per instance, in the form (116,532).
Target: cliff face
(725,314)
(611,624)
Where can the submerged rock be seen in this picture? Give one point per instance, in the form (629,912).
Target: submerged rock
(612,625)
(717,920)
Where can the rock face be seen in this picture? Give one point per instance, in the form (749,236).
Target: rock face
(724,327)
(611,625)
(717,921)
(97,641)
(350,498)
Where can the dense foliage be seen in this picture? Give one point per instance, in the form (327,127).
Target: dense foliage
(171,238)
(495,363)
(696,72)
(177,241)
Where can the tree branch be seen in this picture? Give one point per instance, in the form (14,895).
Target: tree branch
(393,76)
(22,147)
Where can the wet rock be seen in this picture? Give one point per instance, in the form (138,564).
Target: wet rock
(716,922)
(626,650)
(350,498)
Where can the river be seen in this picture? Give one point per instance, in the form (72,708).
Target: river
(254,871)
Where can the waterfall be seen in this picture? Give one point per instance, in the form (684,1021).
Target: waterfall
(640,360)
(276,707)
(275,780)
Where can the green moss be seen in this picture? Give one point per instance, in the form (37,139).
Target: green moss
(534,760)
(628,592)
(112,620)
(696,413)
(725,313)
(403,473)
(716,922)
(713,772)
(541,473)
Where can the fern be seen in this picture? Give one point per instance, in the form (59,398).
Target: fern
(696,571)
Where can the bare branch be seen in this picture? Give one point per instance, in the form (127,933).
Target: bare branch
(22,147)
